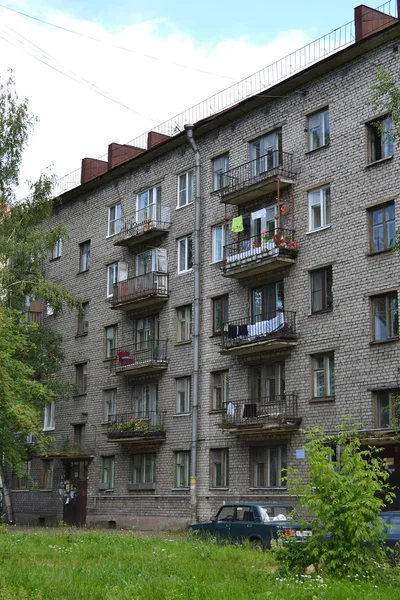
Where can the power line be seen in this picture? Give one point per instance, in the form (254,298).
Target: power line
(93,39)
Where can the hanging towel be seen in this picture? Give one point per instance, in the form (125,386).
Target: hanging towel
(237,224)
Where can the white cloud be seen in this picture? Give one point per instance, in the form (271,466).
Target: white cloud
(76,122)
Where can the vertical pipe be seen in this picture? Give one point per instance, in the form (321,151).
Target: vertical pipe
(196,322)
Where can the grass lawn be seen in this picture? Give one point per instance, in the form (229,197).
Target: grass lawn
(71,564)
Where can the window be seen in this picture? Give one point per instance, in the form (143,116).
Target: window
(183,395)
(107,472)
(318,129)
(266,153)
(183,323)
(112,278)
(152,260)
(83,319)
(143,468)
(267,466)
(79,436)
(185,254)
(110,404)
(321,290)
(57,249)
(385,317)
(380,141)
(219,468)
(49,416)
(148,205)
(220,168)
(111,341)
(81,378)
(21,482)
(185,188)
(267,382)
(145,401)
(385,408)
(220,313)
(49,310)
(114,219)
(220,390)
(319,207)
(47,475)
(84,257)
(323,376)
(220,238)
(181,469)
(382,227)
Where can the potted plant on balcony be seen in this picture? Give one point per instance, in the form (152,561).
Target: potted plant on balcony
(283,211)
(285,242)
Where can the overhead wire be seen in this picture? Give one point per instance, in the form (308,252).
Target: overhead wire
(117,46)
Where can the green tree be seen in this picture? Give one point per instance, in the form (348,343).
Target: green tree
(342,498)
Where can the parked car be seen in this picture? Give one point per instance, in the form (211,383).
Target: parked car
(391,518)
(259,523)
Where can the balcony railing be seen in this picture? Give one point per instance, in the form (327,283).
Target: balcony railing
(147,356)
(149,221)
(269,412)
(132,425)
(245,182)
(34,316)
(148,287)
(279,325)
(259,251)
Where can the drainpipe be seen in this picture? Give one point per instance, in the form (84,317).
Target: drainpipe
(196,323)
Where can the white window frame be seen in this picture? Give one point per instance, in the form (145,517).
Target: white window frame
(114,219)
(109,403)
(49,310)
(151,201)
(219,467)
(49,416)
(320,197)
(185,188)
(220,239)
(57,250)
(220,390)
(143,468)
(112,278)
(260,470)
(220,167)
(108,471)
(183,246)
(327,370)
(381,130)
(184,323)
(111,341)
(322,122)
(183,395)
(182,461)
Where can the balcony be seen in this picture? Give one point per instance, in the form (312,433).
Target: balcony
(262,417)
(272,172)
(263,333)
(142,291)
(148,357)
(143,225)
(34,316)
(260,254)
(137,428)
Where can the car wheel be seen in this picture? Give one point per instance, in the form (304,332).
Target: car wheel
(258,545)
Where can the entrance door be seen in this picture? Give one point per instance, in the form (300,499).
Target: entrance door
(267,381)
(266,300)
(147,338)
(75,493)
(149,205)
(263,221)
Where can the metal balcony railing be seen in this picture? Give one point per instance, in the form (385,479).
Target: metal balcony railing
(146,219)
(272,325)
(281,241)
(136,424)
(281,409)
(141,353)
(150,284)
(34,316)
(273,164)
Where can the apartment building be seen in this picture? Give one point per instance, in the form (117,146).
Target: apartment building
(298,301)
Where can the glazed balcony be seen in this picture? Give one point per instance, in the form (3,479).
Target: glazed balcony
(269,173)
(264,333)
(260,254)
(142,291)
(144,225)
(262,417)
(140,427)
(134,360)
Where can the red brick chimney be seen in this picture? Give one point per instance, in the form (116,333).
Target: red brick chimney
(119,153)
(91,168)
(368,20)
(154,138)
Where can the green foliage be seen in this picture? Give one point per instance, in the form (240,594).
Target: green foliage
(342,498)
(386,99)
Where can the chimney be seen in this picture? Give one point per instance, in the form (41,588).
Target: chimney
(369,21)
(119,153)
(91,168)
(154,138)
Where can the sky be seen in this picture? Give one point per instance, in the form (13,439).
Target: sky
(66,76)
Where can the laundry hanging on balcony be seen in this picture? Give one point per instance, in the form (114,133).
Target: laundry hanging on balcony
(237,224)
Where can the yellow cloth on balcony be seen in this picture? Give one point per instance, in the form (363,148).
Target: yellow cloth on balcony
(237,224)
